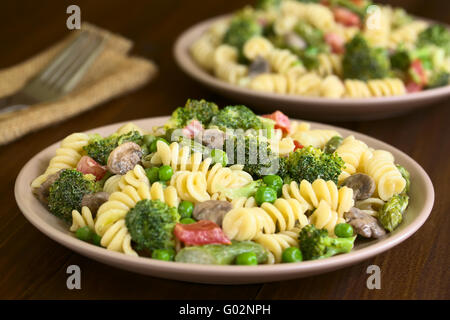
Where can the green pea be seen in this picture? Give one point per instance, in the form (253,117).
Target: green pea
(148,139)
(185,209)
(343,230)
(84,233)
(153,144)
(163,254)
(187,221)
(275,182)
(219,156)
(152,174)
(165,173)
(265,194)
(292,254)
(96,239)
(247,259)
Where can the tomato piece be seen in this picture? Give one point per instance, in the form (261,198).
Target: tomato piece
(200,233)
(87,165)
(346,17)
(412,87)
(298,145)
(281,121)
(192,129)
(359,3)
(417,72)
(336,42)
(325,3)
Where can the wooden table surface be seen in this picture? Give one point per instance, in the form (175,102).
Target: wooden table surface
(34,267)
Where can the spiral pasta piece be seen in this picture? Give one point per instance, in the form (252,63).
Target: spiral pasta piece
(286,213)
(282,60)
(167,195)
(112,184)
(379,164)
(247,223)
(340,200)
(244,202)
(257,46)
(374,88)
(202,50)
(332,87)
(329,64)
(351,151)
(129,127)
(283,147)
(180,159)
(316,138)
(117,206)
(307,84)
(276,243)
(83,219)
(190,186)
(67,156)
(134,177)
(325,217)
(219,178)
(407,34)
(269,82)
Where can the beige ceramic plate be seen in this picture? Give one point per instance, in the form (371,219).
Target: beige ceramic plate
(422,198)
(314,108)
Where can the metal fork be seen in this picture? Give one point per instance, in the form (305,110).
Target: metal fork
(60,76)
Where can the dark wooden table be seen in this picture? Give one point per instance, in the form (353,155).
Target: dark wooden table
(34,267)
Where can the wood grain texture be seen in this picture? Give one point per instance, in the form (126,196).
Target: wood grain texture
(33,266)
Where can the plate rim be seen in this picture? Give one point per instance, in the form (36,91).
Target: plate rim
(191,68)
(295,269)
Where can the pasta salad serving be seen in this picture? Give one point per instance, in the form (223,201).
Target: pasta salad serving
(326,48)
(224,186)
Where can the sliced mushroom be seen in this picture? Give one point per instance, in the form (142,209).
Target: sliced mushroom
(94,200)
(293,40)
(364,224)
(258,66)
(213,138)
(44,190)
(213,210)
(123,158)
(363,186)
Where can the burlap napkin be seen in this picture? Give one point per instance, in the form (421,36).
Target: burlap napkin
(112,74)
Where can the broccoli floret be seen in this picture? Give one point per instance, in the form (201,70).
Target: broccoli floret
(267,4)
(311,164)
(66,193)
(151,224)
(400,60)
(241,29)
(254,153)
(236,117)
(200,110)
(437,35)
(312,36)
(439,79)
(99,148)
(317,244)
(391,214)
(364,62)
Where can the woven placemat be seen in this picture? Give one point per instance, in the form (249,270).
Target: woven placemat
(113,73)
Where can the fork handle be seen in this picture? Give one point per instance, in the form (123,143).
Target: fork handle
(14,102)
